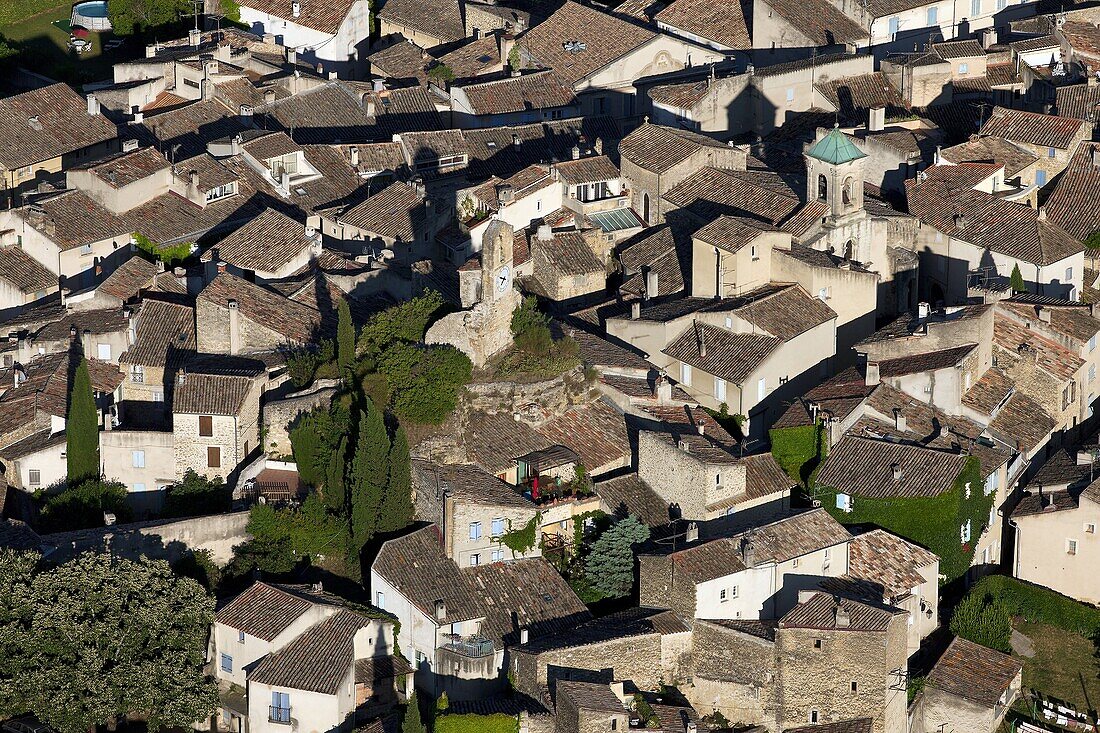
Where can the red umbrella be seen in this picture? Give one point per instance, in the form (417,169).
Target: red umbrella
(79,32)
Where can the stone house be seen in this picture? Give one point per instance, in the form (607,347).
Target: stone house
(1055,539)
(584,707)
(568,264)
(1069,204)
(302,657)
(236,316)
(1050,138)
(457,621)
(779,26)
(427,25)
(830,659)
(593,188)
(700,476)
(751,575)
(48,131)
(644,645)
(164,341)
(23,279)
(475,511)
(970,688)
(602,56)
(514,100)
(1020,165)
(143,460)
(528,196)
(215,421)
(270,247)
(984,236)
(655,158)
(395,220)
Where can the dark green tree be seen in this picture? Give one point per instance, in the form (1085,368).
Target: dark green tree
(197,495)
(369,471)
(531,327)
(407,322)
(83,506)
(345,338)
(131,16)
(397,510)
(16,573)
(82,429)
(425,380)
(983,620)
(412,722)
(609,568)
(335,494)
(110,637)
(1016,281)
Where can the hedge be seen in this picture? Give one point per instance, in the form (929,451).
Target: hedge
(799,451)
(471,723)
(1040,605)
(932,522)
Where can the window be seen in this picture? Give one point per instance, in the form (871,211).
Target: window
(1092,372)
(685,374)
(823,294)
(497,556)
(1040,178)
(138,457)
(213,457)
(762,388)
(1071,547)
(893,27)
(497,526)
(933,15)
(733,592)
(854,687)
(794,563)
(723,596)
(717,479)
(1090,528)
(85,249)
(964,68)
(720,390)
(1001,4)
(226,663)
(975,8)
(826,553)
(1069,274)
(206,426)
(137,374)
(790,94)
(221,192)
(964,532)
(34,477)
(1051,152)
(813,717)
(817,643)
(240,637)
(280,708)
(752,252)
(822,187)
(475,559)
(380,600)
(139,487)
(1092,343)
(103,352)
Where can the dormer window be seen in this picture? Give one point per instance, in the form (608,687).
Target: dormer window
(220,192)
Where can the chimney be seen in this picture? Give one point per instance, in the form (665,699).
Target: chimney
(295,8)
(701,428)
(139,117)
(651,289)
(93,105)
(923,310)
(515,140)
(221,264)
(524,635)
(843,619)
(235,145)
(150,50)
(269,96)
(1042,216)
(1096,157)
(702,342)
(872,376)
(505,193)
(440,610)
(748,552)
(692,533)
(505,42)
(354,154)
(292,56)
(246,114)
(193,186)
(194,37)
(129,146)
(989,37)
(369,106)
(269,39)
(899,420)
(598,146)
(960,221)
(1044,314)
(896,468)
(575,152)
(635,310)
(876,119)
(332,75)
(545,233)
(234,327)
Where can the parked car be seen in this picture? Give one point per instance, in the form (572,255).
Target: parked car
(26,724)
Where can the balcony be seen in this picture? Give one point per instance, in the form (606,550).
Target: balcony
(278,715)
(474,647)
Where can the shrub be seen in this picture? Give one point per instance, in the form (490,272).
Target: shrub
(425,380)
(983,620)
(406,322)
(1040,605)
(281,538)
(1093,240)
(531,327)
(472,723)
(166,253)
(197,495)
(303,364)
(82,506)
(441,74)
(1016,280)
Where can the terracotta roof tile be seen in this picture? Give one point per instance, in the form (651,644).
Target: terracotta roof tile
(318,660)
(1033,128)
(401,61)
(396,212)
(123,169)
(211,394)
(165,335)
(996,150)
(974,672)
(852,96)
(265,244)
(262,610)
(722,23)
(865,467)
(493,150)
(24,272)
(889,561)
(475,58)
(657,148)
(1022,422)
(321,15)
(592,169)
(131,277)
(822,610)
(46,123)
(1072,204)
(441,19)
(819,21)
(295,321)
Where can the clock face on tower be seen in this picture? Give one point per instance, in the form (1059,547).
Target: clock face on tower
(503,280)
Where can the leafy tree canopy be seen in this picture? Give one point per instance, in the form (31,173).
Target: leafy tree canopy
(406,322)
(100,637)
(132,16)
(197,495)
(82,506)
(983,620)
(609,568)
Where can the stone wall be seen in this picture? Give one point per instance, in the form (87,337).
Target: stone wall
(732,673)
(681,478)
(636,658)
(168,540)
(657,586)
(213,334)
(281,415)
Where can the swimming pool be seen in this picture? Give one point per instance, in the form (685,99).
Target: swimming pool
(91,15)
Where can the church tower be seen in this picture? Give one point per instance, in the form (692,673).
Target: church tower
(834,174)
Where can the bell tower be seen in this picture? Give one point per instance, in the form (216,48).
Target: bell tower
(834,174)
(496,261)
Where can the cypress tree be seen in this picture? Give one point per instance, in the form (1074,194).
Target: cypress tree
(82,429)
(412,722)
(336,496)
(345,338)
(1016,281)
(397,510)
(368,475)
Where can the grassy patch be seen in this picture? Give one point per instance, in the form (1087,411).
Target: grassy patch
(1064,666)
(13,12)
(523,365)
(1040,605)
(799,451)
